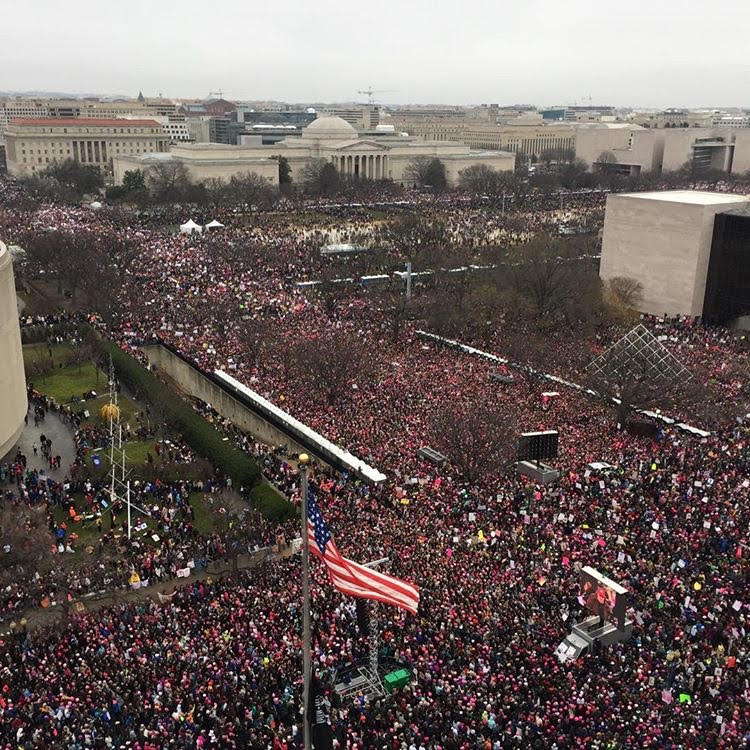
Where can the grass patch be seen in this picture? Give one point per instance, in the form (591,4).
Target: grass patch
(128,410)
(88,534)
(62,384)
(271,503)
(135,456)
(205,440)
(203,523)
(59,354)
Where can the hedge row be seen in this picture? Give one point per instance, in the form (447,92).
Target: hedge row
(271,504)
(199,434)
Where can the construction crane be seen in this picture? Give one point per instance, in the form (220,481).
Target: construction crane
(218,93)
(370,91)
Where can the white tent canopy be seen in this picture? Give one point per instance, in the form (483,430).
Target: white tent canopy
(190,226)
(214,224)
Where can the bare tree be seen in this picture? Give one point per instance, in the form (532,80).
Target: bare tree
(486,182)
(604,160)
(544,276)
(416,238)
(258,335)
(41,364)
(478,439)
(216,190)
(626,291)
(25,542)
(320,177)
(332,361)
(415,171)
(251,189)
(168,181)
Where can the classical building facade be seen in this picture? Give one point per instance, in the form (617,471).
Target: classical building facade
(203,161)
(526,134)
(377,155)
(163,110)
(34,144)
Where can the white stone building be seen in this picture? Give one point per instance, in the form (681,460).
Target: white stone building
(377,155)
(34,144)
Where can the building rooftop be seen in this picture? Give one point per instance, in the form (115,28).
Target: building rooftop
(60,122)
(694,197)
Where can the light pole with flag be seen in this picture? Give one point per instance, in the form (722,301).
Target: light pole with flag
(306,639)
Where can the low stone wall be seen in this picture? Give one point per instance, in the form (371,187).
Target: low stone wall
(38,617)
(193,382)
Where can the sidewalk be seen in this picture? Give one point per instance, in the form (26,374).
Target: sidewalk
(54,429)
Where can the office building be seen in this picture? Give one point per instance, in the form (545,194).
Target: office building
(360,118)
(527,133)
(13,109)
(667,241)
(34,144)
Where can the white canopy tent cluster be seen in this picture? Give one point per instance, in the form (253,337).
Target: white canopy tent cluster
(189,227)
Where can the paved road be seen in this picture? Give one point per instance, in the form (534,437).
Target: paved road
(62,444)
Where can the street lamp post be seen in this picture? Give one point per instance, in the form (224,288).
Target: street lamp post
(306,640)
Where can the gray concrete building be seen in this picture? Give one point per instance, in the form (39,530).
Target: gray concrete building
(664,241)
(13,403)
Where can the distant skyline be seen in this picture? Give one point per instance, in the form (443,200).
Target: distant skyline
(671,53)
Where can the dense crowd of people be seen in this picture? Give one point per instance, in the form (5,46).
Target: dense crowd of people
(497,559)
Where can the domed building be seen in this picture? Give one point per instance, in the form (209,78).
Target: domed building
(329,128)
(380,154)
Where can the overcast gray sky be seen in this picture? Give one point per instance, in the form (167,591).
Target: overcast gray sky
(636,52)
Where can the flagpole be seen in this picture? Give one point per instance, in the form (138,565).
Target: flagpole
(306,640)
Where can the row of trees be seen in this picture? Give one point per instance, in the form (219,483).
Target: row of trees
(83,263)
(170,182)
(67,181)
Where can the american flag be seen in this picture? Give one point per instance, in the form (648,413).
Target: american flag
(350,577)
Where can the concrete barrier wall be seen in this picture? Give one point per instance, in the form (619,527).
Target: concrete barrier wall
(195,383)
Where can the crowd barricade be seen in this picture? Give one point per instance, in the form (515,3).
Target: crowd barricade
(453,344)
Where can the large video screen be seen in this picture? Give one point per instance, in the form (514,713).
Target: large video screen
(537,446)
(603,597)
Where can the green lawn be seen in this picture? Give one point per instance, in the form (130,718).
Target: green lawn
(88,533)
(204,524)
(135,456)
(269,501)
(62,384)
(128,409)
(34,352)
